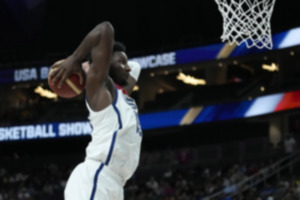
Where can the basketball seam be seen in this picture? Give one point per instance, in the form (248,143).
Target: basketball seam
(73,86)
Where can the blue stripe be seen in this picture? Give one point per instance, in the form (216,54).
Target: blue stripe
(111,148)
(162,119)
(131,102)
(117,110)
(95,181)
(111,145)
(115,133)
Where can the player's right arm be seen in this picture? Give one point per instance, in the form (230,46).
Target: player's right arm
(99,44)
(101,52)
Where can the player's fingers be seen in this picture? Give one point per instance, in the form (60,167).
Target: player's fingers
(56,69)
(53,72)
(80,77)
(56,64)
(62,80)
(57,76)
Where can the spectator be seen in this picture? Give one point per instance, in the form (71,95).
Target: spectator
(168,191)
(168,174)
(184,156)
(289,144)
(153,185)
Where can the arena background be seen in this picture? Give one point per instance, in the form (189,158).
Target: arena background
(36,33)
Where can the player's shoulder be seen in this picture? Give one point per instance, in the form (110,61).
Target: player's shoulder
(115,88)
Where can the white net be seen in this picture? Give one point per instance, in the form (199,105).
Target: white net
(247,21)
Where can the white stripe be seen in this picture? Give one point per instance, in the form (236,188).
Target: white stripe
(191,115)
(226,50)
(291,39)
(264,105)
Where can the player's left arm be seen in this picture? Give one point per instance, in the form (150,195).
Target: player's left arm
(134,76)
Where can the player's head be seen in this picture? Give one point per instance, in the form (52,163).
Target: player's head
(119,69)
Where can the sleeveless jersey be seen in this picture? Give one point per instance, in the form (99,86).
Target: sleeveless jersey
(116,136)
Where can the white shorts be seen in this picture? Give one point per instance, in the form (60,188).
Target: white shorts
(92,180)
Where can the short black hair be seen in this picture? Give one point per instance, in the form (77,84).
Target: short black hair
(118,46)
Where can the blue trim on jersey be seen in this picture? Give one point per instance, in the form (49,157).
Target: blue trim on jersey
(116,109)
(111,148)
(115,133)
(95,181)
(114,104)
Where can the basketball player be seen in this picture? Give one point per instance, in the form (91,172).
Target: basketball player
(113,153)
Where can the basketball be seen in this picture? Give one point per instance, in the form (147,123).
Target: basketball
(70,88)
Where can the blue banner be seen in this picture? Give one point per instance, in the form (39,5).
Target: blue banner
(259,106)
(210,52)
(24,74)
(47,130)
(183,56)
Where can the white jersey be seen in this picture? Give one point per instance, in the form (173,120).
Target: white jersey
(116,136)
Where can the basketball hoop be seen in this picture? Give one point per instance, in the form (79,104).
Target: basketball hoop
(247,21)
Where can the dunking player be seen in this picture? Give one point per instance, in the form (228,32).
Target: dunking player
(113,154)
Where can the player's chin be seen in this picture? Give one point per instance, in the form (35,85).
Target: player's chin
(124,80)
(123,83)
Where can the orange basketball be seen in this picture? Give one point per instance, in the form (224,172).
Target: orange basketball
(70,88)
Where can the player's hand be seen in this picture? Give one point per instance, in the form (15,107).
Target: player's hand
(63,69)
(80,75)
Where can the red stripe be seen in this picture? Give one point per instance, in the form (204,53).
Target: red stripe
(120,88)
(290,100)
